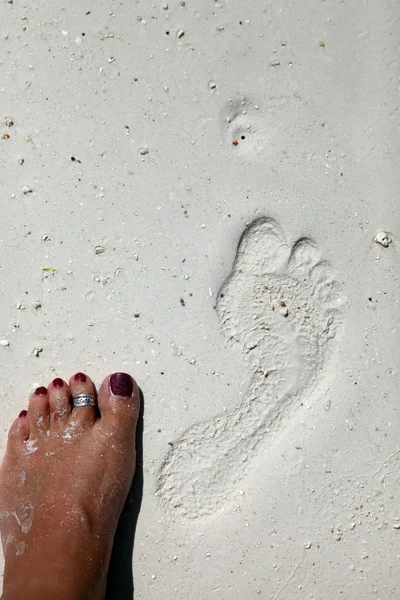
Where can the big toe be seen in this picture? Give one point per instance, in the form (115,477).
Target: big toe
(119,401)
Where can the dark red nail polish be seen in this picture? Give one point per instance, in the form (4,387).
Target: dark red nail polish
(121,384)
(41,391)
(57,382)
(81,377)
(23,413)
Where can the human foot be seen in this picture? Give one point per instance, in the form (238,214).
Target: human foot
(63,483)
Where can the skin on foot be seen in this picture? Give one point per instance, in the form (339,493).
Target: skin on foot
(63,483)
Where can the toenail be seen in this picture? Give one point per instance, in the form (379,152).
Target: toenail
(41,391)
(23,413)
(80,377)
(121,384)
(58,383)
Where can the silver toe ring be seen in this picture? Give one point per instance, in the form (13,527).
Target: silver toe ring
(83,400)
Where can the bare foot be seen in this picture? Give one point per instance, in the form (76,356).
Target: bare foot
(63,483)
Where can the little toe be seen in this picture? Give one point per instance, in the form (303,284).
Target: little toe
(326,288)
(20,428)
(81,384)
(17,435)
(119,400)
(39,412)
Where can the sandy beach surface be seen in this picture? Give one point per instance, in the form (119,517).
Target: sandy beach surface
(190,192)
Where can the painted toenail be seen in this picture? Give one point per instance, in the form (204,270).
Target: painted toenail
(80,377)
(58,383)
(41,391)
(121,384)
(23,413)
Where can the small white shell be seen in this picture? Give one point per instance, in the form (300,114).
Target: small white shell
(383,239)
(4,343)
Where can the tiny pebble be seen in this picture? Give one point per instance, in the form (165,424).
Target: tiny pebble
(308,546)
(4,343)
(26,189)
(275,63)
(364,555)
(99,249)
(396,526)
(180,34)
(36,304)
(284,311)
(9,121)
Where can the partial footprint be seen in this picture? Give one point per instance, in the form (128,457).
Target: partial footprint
(244,125)
(280,305)
(243,128)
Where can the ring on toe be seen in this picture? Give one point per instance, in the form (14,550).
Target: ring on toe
(83,400)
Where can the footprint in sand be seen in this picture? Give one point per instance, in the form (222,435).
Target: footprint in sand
(239,121)
(280,304)
(243,124)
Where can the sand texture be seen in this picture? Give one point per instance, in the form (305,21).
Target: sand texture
(206,194)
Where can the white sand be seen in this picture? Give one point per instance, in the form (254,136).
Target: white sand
(293,492)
